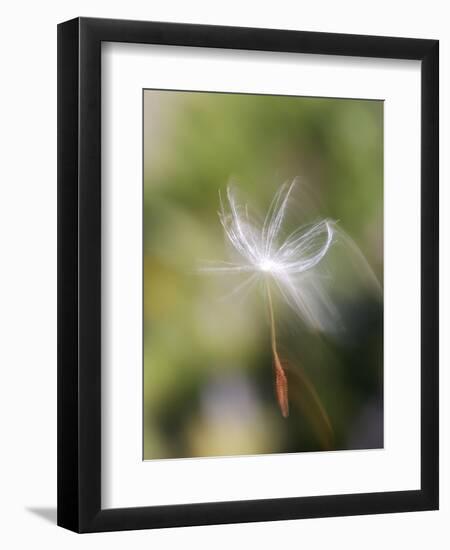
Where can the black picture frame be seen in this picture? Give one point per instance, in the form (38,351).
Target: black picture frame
(79,274)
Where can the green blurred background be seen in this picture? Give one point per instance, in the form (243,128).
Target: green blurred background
(208,378)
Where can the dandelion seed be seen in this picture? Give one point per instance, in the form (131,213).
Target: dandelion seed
(264,254)
(286,263)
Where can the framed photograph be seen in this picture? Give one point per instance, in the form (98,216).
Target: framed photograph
(248,275)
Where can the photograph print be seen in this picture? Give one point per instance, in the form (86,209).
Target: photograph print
(262,274)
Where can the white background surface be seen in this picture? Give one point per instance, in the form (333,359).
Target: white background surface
(28,274)
(129,481)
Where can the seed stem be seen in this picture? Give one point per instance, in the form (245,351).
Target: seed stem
(281,383)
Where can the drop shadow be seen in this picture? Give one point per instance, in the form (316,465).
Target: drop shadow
(46,513)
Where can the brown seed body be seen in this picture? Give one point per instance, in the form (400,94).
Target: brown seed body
(281,386)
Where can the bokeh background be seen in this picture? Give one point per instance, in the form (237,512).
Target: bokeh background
(208,378)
